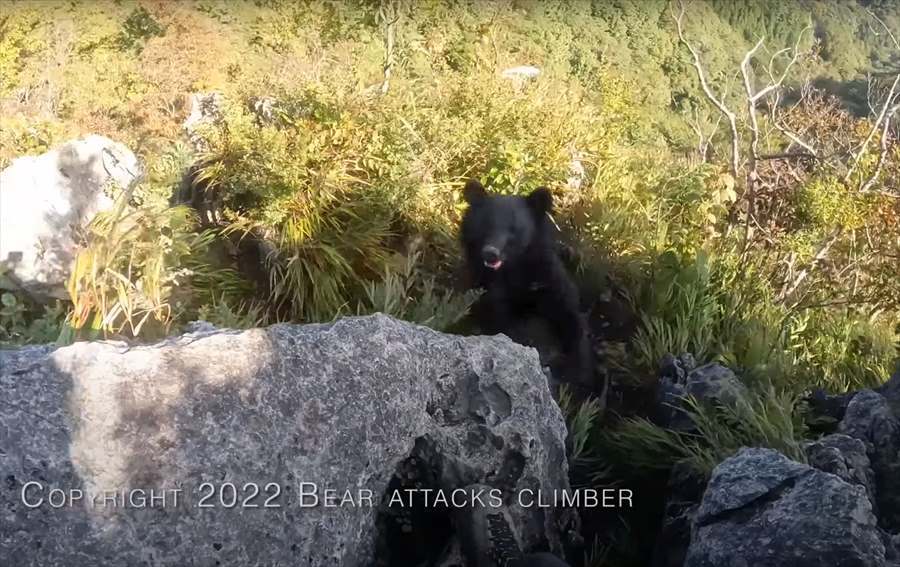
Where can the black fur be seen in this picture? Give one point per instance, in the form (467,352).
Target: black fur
(530,277)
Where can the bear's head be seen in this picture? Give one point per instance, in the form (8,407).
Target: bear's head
(499,229)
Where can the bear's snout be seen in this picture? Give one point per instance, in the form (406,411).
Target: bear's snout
(491,257)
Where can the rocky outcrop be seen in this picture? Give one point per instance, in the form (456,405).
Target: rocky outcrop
(870,419)
(762,509)
(45,203)
(521,75)
(238,435)
(205,110)
(845,457)
(830,408)
(521,72)
(680,378)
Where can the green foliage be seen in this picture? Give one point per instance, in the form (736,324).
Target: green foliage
(765,419)
(15,28)
(407,293)
(720,308)
(225,316)
(21,324)
(642,206)
(139,26)
(132,266)
(710,306)
(843,352)
(685,312)
(770,419)
(825,202)
(316,264)
(336,173)
(581,419)
(121,67)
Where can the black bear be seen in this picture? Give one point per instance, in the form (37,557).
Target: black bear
(511,252)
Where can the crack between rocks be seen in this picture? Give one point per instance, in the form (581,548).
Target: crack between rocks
(759,502)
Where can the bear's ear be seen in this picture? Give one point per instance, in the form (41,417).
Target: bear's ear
(473,191)
(540,200)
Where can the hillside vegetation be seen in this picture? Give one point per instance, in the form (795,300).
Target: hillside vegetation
(772,246)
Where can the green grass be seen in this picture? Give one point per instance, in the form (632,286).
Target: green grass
(765,419)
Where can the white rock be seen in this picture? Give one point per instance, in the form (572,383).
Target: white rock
(521,72)
(206,108)
(46,200)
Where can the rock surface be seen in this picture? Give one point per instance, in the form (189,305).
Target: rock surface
(46,200)
(712,384)
(205,109)
(845,457)
(352,406)
(830,408)
(522,71)
(870,418)
(762,509)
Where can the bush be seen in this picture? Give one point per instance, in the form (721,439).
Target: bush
(843,352)
(765,419)
(139,26)
(337,177)
(722,309)
(22,322)
(405,292)
(131,270)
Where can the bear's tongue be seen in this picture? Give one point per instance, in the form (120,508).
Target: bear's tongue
(495,265)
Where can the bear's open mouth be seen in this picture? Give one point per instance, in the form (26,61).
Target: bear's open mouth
(495,265)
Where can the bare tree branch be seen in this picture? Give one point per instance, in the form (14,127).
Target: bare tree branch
(775,86)
(707,90)
(887,111)
(703,138)
(787,155)
(791,287)
(882,157)
(886,29)
(389,14)
(753,97)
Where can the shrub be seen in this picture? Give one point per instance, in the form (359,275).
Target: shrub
(139,26)
(22,322)
(766,418)
(712,306)
(407,293)
(225,316)
(843,351)
(131,268)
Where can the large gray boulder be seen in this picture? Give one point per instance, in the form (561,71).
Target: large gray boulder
(364,406)
(45,203)
(762,509)
(870,419)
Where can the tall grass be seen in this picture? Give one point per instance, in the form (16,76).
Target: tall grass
(408,293)
(133,262)
(763,419)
